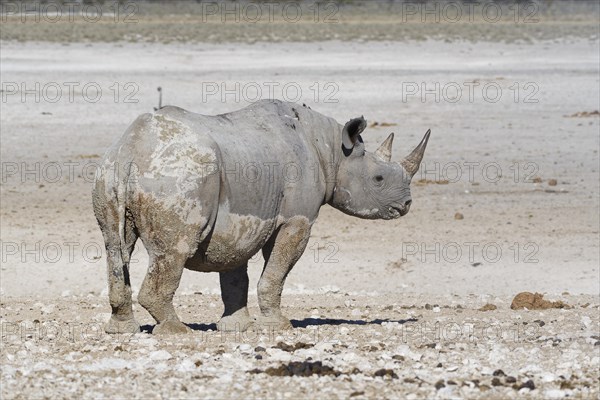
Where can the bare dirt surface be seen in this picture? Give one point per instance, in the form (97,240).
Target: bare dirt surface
(342,345)
(506,201)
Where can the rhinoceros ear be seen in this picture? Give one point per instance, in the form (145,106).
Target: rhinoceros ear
(352,131)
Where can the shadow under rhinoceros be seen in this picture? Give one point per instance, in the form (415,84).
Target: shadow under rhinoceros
(306,322)
(194,327)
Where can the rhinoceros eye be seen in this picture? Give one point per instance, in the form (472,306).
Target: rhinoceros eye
(378,178)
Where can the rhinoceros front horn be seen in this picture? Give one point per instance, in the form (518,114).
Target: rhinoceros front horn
(412,162)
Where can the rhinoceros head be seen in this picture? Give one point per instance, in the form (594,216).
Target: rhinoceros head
(369,185)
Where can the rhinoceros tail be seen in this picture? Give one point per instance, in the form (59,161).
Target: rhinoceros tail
(124,253)
(121,197)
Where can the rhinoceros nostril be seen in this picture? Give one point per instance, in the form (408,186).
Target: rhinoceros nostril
(407,203)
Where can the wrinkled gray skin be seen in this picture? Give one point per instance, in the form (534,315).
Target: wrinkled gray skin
(208,192)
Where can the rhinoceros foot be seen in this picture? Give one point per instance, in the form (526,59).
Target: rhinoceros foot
(239,322)
(115,326)
(274,322)
(170,327)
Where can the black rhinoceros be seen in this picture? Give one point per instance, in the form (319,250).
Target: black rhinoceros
(208,192)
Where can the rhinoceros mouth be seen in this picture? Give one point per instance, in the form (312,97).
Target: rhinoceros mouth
(397,211)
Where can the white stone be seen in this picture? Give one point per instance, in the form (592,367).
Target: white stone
(554,394)
(586,321)
(548,377)
(245,348)
(160,355)
(186,366)
(30,346)
(48,309)
(348,356)
(148,341)
(107,364)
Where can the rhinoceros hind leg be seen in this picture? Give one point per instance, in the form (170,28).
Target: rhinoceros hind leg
(281,253)
(119,286)
(158,289)
(234,292)
(119,289)
(171,235)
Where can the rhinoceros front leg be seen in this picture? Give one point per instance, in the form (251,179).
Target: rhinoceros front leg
(234,292)
(281,253)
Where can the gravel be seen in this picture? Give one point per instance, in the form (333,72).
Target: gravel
(382,346)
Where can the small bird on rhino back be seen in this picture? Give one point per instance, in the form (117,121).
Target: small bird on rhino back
(207,193)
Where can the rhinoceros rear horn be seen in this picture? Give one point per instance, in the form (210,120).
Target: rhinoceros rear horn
(412,162)
(385,150)
(352,131)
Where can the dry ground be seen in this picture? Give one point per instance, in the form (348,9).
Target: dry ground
(369,347)
(382,297)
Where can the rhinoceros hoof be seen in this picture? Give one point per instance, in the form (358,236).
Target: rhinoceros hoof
(170,327)
(278,323)
(115,326)
(235,323)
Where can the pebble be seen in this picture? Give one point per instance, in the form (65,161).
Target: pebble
(586,321)
(30,346)
(160,355)
(48,309)
(147,341)
(426,367)
(245,348)
(554,394)
(548,377)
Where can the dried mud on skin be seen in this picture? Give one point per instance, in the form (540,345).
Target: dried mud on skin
(355,346)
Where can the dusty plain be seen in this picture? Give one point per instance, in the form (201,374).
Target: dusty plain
(507,200)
